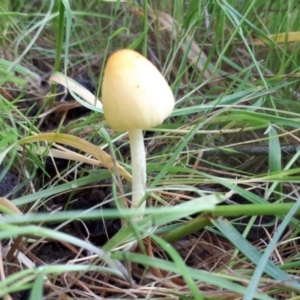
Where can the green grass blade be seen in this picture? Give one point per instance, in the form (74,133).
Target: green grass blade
(180,264)
(253,255)
(264,260)
(275,158)
(37,289)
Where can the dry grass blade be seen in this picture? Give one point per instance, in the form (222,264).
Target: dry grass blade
(174,283)
(65,154)
(2,273)
(75,87)
(286,37)
(78,143)
(9,206)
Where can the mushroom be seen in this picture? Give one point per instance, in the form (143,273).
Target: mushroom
(135,97)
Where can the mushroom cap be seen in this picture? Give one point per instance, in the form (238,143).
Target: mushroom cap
(135,95)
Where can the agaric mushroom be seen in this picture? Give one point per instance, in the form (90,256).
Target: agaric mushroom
(135,97)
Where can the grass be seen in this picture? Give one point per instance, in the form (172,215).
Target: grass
(220,223)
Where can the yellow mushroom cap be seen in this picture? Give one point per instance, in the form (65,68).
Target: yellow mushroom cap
(135,95)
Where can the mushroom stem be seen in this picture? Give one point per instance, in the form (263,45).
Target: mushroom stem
(138,161)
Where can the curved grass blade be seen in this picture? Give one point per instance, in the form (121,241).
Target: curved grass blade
(8,231)
(180,264)
(253,255)
(264,260)
(80,144)
(91,102)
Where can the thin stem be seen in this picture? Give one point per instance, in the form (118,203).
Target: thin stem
(198,223)
(250,150)
(138,161)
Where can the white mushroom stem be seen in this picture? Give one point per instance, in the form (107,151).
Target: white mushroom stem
(138,161)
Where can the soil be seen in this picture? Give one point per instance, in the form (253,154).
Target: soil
(9,185)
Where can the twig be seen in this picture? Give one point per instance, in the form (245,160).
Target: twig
(249,150)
